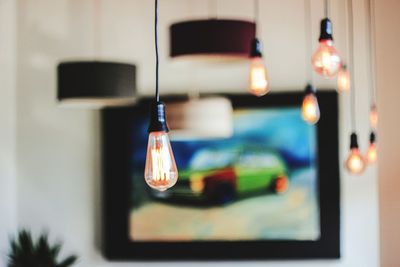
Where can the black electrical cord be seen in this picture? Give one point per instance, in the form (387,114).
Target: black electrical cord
(257,16)
(352,65)
(346,26)
(308,38)
(156,47)
(96,28)
(213,9)
(326,8)
(370,6)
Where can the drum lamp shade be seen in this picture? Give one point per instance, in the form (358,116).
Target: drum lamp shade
(96,83)
(210,38)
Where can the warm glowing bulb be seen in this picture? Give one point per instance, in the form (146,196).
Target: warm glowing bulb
(373,117)
(310,108)
(258,80)
(160,172)
(355,162)
(372,154)
(343,80)
(326,60)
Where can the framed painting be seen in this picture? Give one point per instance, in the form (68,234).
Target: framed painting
(270,191)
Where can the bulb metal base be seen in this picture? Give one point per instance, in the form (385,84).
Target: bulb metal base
(310,89)
(158,121)
(326,30)
(353,141)
(372,138)
(256,48)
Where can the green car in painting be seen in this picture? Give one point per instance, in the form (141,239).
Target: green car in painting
(221,176)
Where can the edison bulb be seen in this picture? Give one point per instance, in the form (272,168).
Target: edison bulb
(326,60)
(310,108)
(161,172)
(258,80)
(343,80)
(355,162)
(373,117)
(372,154)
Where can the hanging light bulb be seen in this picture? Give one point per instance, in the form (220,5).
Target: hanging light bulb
(160,171)
(310,108)
(372,154)
(355,162)
(258,78)
(373,117)
(326,60)
(343,79)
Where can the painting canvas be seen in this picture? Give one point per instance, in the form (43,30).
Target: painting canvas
(260,186)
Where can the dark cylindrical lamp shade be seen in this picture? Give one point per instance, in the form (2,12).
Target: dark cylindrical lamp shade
(96,83)
(212,38)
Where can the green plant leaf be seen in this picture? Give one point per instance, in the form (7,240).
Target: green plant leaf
(25,252)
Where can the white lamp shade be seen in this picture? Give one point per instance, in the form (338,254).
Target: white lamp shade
(200,118)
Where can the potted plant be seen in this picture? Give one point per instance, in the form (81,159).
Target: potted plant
(25,252)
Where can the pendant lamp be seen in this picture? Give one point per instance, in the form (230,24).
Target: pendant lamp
(326,60)
(212,39)
(92,83)
(355,162)
(310,108)
(259,83)
(372,152)
(160,171)
(96,83)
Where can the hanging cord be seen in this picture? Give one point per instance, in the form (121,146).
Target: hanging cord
(370,6)
(346,26)
(96,28)
(308,38)
(352,65)
(156,47)
(326,8)
(257,16)
(213,9)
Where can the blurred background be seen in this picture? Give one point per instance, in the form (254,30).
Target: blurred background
(50,156)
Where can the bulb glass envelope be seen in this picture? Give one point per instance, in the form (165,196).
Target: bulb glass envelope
(96,84)
(200,118)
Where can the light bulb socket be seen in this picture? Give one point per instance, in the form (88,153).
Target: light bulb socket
(372,138)
(158,121)
(353,141)
(326,30)
(310,89)
(256,48)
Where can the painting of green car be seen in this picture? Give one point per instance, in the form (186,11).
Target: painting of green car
(222,176)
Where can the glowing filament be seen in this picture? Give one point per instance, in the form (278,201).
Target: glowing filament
(326,60)
(372,154)
(258,81)
(355,163)
(161,172)
(310,109)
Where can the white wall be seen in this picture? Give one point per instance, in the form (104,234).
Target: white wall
(58,149)
(388,36)
(7,119)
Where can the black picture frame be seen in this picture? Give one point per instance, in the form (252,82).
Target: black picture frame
(116,128)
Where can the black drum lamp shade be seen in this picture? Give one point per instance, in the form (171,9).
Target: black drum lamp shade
(212,38)
(96,83)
